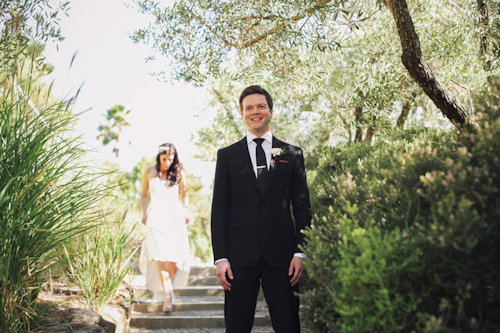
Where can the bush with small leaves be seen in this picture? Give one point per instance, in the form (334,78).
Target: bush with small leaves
(406,234)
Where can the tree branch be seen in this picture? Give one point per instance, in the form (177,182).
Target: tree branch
(413,61)
(202,22)
(257,39)
(254,17)
(281,26)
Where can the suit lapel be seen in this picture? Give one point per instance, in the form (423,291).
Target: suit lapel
(272,169)
(247,162)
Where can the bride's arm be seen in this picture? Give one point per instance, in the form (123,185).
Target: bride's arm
(184,195)
(144,195)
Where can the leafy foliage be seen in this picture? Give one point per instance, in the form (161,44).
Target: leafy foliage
(356,89)
(122,195)
(111,128)
(183,30)
(411,237)
(199,227)
(25,22)
(330,57)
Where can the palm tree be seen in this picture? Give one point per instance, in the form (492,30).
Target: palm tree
(111,128)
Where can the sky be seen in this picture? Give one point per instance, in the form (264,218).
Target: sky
(112,70)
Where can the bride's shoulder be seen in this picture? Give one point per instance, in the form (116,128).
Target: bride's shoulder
(151,171)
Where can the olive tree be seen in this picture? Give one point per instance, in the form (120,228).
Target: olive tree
(203,38)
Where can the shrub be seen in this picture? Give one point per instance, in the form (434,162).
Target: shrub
(407,235)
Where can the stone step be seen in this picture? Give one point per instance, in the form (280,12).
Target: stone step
(198,280)
(177,307)
(183,303)
(202,270)
(135,280)
(214,290)
(141,292)
(208,280)
(200,319)
(194,271)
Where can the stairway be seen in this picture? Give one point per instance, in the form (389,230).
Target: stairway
(199,304)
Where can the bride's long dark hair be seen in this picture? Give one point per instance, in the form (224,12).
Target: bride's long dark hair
(174,172)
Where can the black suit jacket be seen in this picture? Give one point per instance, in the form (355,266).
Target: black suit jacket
(248,221)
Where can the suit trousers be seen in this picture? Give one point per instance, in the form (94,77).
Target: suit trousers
(241,300)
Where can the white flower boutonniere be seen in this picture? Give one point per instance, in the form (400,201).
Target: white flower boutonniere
(276,153)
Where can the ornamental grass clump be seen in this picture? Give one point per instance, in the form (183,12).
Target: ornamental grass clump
(98,261)
(46,195)
(407,238)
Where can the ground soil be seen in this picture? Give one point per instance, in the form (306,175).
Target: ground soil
(61,304)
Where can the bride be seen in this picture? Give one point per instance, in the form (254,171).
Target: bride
(165,251)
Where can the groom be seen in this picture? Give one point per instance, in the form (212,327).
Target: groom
(254,237)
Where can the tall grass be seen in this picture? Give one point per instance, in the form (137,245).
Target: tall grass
(46,197)
(97,261)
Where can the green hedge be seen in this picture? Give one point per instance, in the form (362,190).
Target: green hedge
(406,234)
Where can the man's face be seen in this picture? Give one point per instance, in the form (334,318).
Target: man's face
(256,114)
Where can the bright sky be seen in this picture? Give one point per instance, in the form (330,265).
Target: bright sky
(113,71)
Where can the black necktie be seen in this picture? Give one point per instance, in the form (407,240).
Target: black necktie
(261,161)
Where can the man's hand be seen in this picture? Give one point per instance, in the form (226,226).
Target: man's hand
(223,269)
(296,269)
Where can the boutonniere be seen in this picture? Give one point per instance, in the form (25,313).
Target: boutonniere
(277,152)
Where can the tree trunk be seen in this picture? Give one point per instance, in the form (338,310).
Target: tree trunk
(371,130)
(404,113)
(483,12)
(206,229)
(344,121)
(417,68)
(359,132)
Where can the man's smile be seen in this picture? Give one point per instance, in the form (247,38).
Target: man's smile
(256,113)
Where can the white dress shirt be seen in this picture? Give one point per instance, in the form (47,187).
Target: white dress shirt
(267,145)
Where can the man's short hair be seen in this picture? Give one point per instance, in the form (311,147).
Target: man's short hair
(255,89)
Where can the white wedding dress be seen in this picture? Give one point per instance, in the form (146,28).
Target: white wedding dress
(166,237)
